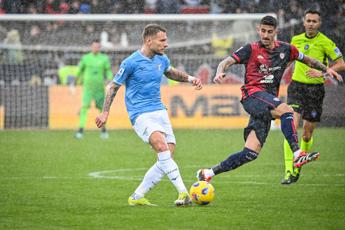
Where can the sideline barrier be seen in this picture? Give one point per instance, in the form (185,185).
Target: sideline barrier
(215,106)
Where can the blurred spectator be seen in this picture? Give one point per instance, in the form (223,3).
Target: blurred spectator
(224,6)
(52,27)
(85,8)
(192,2)
(32,9)
(135,6)
(35,80)
(35,32)
(294,12)
(74,8)
(289,14)
(119,7)
(2,8)
(13,54)
(52,7)
(100,7)
(168,7)
(222,45)
(64,7)
(150,6)
(217,6)
(11,6)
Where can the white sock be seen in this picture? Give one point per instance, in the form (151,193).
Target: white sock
(152,177)
(296,154)
(170,168)
(209,173)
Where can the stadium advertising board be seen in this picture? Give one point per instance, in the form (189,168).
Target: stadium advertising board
(215,106)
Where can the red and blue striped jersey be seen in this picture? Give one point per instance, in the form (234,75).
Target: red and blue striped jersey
(264,67)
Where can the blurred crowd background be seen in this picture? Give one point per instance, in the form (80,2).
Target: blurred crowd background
(40,52)
(47,46)
(288,12)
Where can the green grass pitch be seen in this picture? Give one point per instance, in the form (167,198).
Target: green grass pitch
(49,180)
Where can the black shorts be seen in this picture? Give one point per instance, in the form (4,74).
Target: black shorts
(259,106)
(307,100)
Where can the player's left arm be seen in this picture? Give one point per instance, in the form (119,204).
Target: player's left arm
(339,66)
(332,52)
(181,76)
(326,71)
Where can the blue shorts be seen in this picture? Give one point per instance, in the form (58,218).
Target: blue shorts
(259,106)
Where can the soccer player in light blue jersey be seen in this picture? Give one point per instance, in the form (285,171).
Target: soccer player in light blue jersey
(141,73)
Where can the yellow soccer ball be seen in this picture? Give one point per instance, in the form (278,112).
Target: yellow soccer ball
(201,192)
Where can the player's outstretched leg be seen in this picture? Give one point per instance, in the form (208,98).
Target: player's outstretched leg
(170,168)
(232,162)
(204,175)
(152,177)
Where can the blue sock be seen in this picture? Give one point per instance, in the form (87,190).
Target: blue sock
(289,130)
(235,161)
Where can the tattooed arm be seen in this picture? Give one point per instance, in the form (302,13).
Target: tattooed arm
(181,76)
(222,67)
(313,63)
(338,66)
(102,118)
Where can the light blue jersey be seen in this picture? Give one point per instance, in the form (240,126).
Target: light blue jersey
(142,77)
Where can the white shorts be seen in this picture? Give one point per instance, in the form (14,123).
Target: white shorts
(147,123)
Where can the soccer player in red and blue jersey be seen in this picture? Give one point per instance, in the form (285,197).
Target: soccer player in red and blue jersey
(265,62)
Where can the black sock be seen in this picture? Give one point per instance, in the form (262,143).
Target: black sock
(81,130)
(235,161)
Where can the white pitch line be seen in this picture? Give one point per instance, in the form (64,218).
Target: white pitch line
(103,175)
(116,175)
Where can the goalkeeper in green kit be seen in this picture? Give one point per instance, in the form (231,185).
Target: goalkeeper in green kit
(306,90)
(94,67)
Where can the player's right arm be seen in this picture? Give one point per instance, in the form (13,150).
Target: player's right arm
(238,57)
(112,89)
(222,67)
(126,69)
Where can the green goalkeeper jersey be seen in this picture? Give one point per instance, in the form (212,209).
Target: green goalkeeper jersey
(93,68)
(319,47)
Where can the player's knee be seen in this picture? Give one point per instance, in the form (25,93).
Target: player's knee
(284,108)
(158,143)
(160,146)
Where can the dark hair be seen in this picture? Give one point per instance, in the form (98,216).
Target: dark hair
(269,20)
(95,41)
(312,11)
(152,29)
